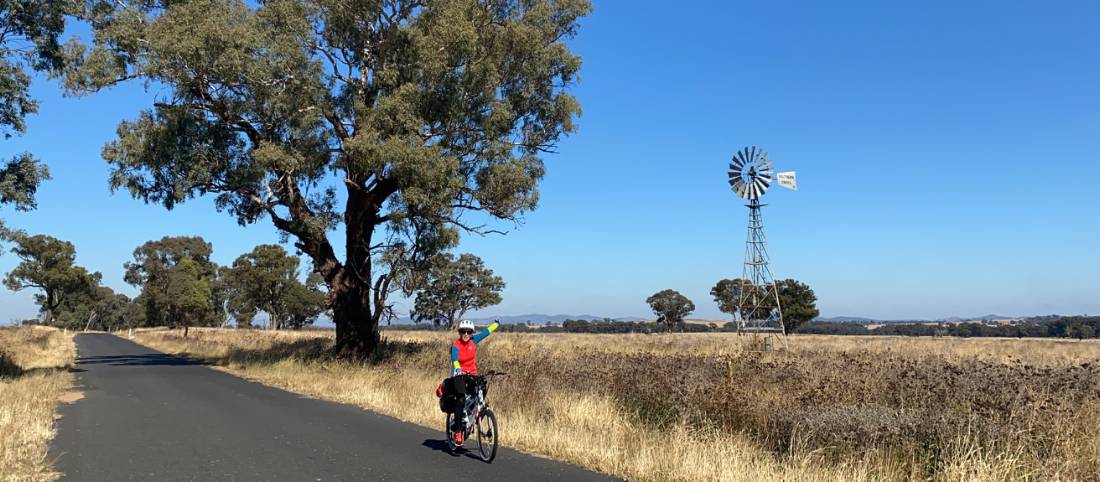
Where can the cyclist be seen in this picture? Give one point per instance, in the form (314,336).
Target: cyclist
(464,364)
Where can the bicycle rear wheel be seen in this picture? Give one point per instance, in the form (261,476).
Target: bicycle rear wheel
(487,435)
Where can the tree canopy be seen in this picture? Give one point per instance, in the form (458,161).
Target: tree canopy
(798,301)
(418,111)
(670,306)
(47,264)
(266,279)
(96,308)
(727,294)
(30,32)
(172,273)
(30,41)
(455,286)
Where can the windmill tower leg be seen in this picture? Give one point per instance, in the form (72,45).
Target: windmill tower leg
(760,310)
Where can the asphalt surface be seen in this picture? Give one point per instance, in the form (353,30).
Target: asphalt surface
(150,416)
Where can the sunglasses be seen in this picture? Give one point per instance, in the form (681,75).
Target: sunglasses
(465,332)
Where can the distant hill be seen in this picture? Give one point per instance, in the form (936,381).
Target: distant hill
(845,319)
(960,319)
(950,319)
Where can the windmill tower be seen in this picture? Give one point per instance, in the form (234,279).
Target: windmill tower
(759,310)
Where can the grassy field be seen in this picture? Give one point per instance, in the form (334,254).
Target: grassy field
(33,376)
(709,407)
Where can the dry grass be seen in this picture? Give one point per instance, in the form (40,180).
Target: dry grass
(706,407)
(33,374)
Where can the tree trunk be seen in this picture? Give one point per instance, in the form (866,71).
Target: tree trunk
(51,303)
(185,327)
(353,310)
(356,327)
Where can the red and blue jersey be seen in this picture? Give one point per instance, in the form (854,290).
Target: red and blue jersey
(464,353)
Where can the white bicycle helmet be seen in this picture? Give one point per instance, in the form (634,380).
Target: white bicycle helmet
(465,325)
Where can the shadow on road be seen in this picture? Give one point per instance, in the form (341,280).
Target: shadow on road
(137,360)
(440,446)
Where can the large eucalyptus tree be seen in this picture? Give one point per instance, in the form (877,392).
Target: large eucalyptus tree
(30,32)
(391,118)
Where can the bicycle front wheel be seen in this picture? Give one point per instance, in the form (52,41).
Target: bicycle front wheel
(487,435)
(449,433)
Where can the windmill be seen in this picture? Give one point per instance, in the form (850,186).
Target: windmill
(750,175)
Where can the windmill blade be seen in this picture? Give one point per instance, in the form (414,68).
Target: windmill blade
(759,185)
(753,192)
(787,180)
(743,191)
(764,183)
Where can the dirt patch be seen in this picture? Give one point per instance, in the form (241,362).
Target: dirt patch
(70,397)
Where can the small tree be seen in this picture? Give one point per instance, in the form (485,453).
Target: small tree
(134,313)
(670,307)
(730,293)
(455,286)
(266,279)
(260,280)
(154,261)
(305,302)
(187,294)
(727,294)
(47,265)
(97,308)
(798,301)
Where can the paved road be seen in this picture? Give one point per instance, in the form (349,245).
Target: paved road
(150,416)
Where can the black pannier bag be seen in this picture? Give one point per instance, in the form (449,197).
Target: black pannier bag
(448,401)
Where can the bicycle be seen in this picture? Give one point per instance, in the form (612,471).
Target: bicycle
(482,418)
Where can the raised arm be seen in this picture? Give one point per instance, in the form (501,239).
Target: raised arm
(485,332)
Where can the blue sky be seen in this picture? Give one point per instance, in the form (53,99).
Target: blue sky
(947,153)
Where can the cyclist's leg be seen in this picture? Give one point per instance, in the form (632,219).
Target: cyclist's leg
(460,406)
